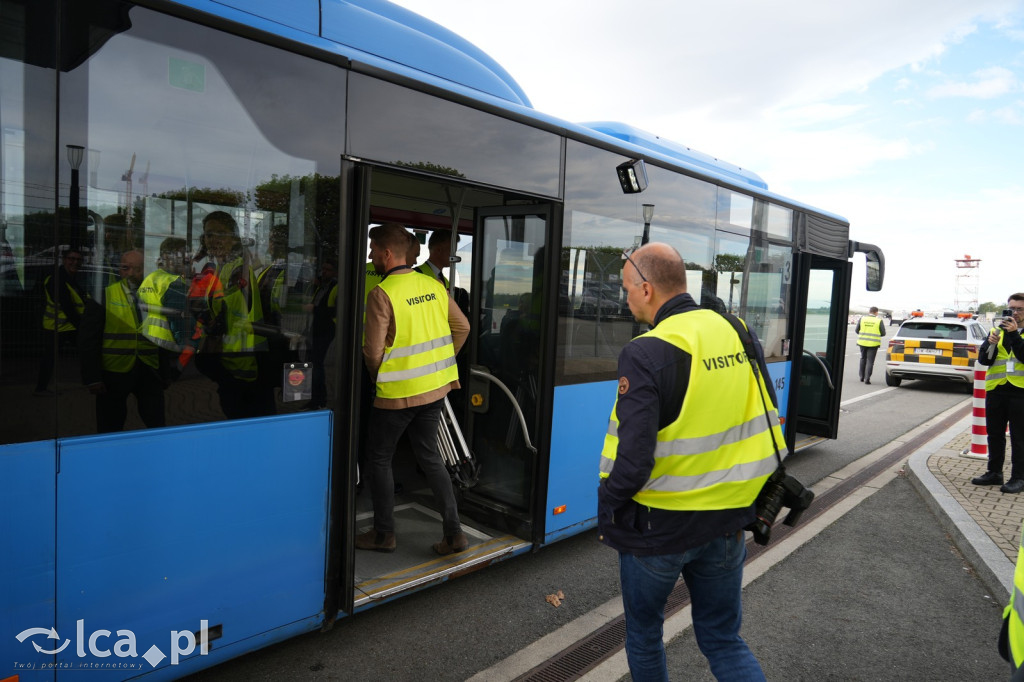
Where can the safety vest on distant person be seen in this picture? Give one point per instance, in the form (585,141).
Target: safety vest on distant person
(1005,367)
(422,356)
(1014,611)
(54,316)
(870,335)
(427,269)
(373,278)
(718,452)
(123,340)
(155,325)
(242,310)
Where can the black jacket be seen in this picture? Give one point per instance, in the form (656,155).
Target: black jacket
(658,375)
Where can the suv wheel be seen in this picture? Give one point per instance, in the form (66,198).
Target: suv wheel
(890,380)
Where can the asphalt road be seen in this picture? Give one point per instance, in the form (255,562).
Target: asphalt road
(879,594)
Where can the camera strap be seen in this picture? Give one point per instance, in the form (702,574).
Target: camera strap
(759,369)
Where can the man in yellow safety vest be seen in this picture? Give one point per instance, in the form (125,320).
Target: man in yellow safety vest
(413,332)
(870,331)
(689,447)
(1003,353)
(118,359)
(65,303)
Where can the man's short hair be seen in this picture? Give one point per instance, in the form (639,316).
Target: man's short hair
(1019,296)
(392,236)
(873,310)
(439,237)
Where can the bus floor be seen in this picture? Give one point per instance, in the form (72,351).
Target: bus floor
(414,564)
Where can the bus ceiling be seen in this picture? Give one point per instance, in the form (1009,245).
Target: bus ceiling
(875,262)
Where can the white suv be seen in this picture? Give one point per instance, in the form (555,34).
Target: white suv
(940,348)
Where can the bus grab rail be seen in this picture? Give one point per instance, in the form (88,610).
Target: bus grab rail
(828,377)
(515,403)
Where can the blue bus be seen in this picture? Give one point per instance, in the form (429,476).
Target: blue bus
(202,504)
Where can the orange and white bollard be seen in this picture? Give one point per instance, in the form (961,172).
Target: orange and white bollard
(979,435)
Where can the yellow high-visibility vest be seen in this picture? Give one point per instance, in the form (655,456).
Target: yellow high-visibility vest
(241,308)
(428,270)
(123,340)
(155,324)
(718,452)
(1005,367)
(870,335)
(54,316)
(1014,611)
(422,356)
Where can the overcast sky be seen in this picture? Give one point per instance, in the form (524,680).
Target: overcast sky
(904,116)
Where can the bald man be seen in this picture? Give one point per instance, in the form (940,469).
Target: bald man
(685,388)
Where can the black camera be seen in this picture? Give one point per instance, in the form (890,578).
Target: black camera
(780,490)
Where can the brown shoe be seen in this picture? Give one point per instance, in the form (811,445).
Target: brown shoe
(452,543)
(376,541)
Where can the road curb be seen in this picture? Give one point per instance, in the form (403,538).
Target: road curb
(990,563)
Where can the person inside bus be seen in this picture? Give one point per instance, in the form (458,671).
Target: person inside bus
(668,515)
(231,319)
(62,315)
(118,359)
(413,332)
(440,247)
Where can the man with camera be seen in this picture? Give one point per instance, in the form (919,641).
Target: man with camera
(688,449)
(1003,353)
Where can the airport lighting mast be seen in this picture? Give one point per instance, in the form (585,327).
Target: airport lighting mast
(967,275)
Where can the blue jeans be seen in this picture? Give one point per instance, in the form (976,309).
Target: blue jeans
(714,575)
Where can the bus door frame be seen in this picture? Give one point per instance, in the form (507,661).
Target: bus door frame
(339,581)
(842,272)
(551,210)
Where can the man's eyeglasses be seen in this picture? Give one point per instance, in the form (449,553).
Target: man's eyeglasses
(625,256)
(1016,310)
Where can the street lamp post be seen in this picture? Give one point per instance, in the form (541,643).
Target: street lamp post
(648,216)
(75,154)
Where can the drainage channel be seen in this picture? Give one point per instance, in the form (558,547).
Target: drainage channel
(583,656)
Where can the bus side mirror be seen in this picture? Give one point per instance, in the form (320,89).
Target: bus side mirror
(874,262)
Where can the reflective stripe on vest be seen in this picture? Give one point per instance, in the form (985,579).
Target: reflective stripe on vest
(870,334)
(1004,368)
(54,315)
(718,452)
(123,340)
(1014,611)
(422,356)
(155,326)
